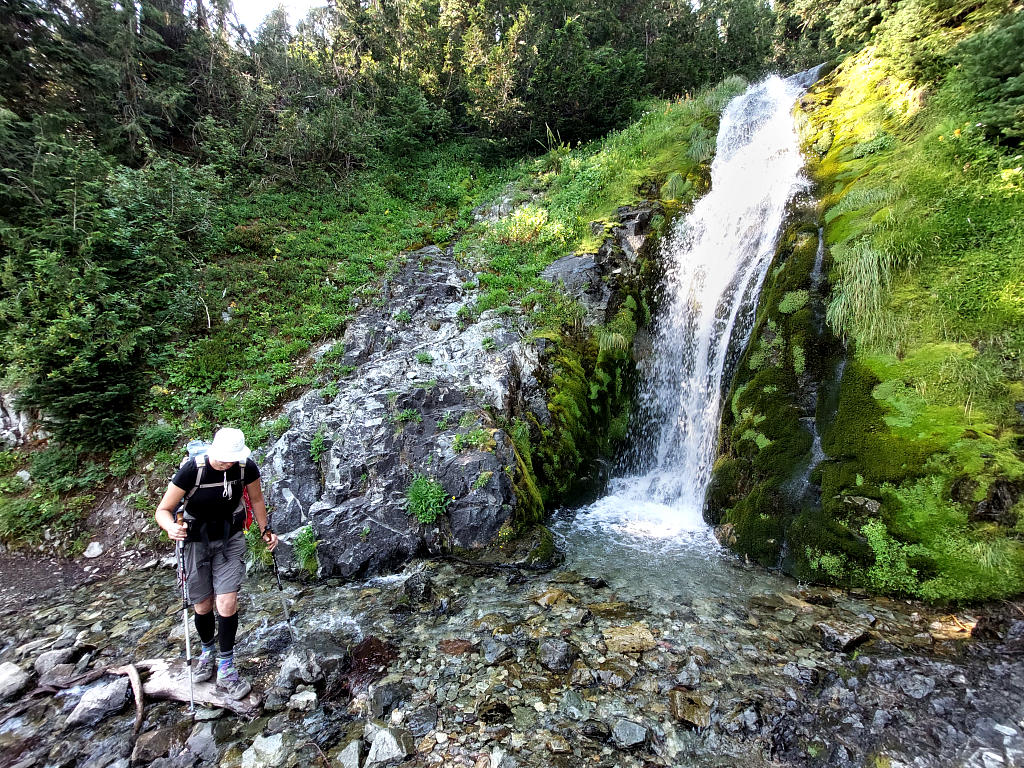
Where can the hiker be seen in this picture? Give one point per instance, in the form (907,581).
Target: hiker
(209,490)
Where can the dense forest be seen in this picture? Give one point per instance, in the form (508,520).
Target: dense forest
(188,207)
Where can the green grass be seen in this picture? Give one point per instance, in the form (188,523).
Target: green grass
(477,439)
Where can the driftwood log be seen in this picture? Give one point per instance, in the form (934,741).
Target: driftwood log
(169,680)
(163,680)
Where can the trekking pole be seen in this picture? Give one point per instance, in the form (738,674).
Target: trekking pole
(183,576)
(284,604)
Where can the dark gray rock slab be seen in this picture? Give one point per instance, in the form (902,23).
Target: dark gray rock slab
(99,701)
(555,655)
(627,734)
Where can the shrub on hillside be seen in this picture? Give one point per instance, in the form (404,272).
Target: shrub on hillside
(990,77)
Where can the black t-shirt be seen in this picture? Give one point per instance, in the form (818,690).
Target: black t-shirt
(208,504)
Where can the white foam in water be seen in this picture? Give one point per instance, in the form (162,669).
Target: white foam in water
(716,260)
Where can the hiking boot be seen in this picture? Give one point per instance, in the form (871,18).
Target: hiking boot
(230,683)
(206,664)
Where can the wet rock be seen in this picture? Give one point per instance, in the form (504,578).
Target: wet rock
(305,701)
(614,673)
(153,744)
(632,639)
(299,666)
(555,655)
(13,680)
(917,686)
(390,744)
(841,637)
(47,661)
(457,647)
(494,711)
(726,534)
(350,755)
(422,721)
(689,676)
(863,505)
(557,745)
(58,675)
(998,506)
(596,730)
(99,701)
(1013,642)
(387,695)
(202,743)
(573,706)
(495,652)
(626,734)
(694,710)
(265,752)
(609,610)
(554,598)
(418,588)
(276,699)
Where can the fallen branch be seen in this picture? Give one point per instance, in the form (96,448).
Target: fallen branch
(136,681)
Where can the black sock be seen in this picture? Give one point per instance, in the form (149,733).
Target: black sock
(227,628)
(205,627)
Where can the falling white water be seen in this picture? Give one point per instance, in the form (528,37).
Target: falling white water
(716,261)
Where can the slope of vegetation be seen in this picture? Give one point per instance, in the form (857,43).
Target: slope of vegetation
(924,221)
(915,145)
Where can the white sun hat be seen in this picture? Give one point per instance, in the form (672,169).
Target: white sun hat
(228,445)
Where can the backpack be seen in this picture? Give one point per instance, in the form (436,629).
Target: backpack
(196,449)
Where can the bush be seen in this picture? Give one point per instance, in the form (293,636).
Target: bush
(427,499)
(257,555)
(304,550)
(990,77)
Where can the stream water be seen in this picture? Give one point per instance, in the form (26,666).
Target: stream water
(648,531)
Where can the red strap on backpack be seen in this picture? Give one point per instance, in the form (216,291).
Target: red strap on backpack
(248,508)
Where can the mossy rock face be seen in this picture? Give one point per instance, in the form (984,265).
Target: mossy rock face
(765,444)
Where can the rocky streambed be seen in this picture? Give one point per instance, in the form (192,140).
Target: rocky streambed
(449,664)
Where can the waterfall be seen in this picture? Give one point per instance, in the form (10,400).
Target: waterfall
(716,259)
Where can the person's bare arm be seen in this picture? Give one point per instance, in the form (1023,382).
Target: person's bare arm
(259,511)
(165,513)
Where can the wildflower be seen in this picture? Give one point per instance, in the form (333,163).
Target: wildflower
(956,132)
(942,138)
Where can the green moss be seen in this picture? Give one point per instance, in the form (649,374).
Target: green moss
(792,301)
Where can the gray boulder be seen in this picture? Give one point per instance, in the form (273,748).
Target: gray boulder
(202,743)
(349,756)
(265,752)
(626,734)
(47,661)
(422,377)
(13,680)
(99,701)
(390,744)
(556,655)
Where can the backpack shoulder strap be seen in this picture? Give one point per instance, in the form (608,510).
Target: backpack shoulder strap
(200,466)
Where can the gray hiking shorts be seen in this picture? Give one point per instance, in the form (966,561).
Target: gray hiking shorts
(216,568)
